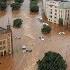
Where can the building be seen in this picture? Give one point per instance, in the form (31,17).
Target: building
(52,11)
(6,44)
(56,11)
(64,13)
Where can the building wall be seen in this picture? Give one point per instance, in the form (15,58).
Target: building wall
(6,42)
(65,15)
(52,11)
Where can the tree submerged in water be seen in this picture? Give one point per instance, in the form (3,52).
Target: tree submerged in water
(45,29)
(52,61)
(17,23)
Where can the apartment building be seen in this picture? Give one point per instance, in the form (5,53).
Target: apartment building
(57,10)
(64,13)
(6,44)
(52,11)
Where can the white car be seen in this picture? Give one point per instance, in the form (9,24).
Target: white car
(42,38)
(61,33)
(41,19)
(23,47)
(45,24)
(26,49)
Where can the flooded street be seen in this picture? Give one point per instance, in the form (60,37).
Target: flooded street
(30,33)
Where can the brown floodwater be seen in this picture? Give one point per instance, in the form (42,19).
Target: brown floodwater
(30,33)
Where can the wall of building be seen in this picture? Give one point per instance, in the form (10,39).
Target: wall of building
(52,11)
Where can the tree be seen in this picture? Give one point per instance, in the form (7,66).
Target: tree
(46,29)
(3,5)
(17,23)
(19,1)
(15,6)
(52,61)
(34,8)
(61,21)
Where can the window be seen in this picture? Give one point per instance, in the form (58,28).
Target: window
(4,42)
(55,13)
(55,17)
(67,18)
(50,16)
(50,12)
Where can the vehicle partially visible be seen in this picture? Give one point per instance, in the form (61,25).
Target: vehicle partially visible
(26,49)
(61,33)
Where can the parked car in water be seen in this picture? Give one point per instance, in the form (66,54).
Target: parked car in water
(26,49)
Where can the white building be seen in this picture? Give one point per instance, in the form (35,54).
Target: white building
(57,9)
(64,13)
(52,10)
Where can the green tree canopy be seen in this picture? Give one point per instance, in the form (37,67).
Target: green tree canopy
(17,23)
(3,5)
(52,61)
(46,29)
(15,6)
(33,6)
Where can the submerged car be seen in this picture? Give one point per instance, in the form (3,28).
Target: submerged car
(26,49)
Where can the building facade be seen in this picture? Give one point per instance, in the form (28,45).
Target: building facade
(52,11)
(6,43)
(57,10)
(64,13)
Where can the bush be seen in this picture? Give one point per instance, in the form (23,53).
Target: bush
(3,6)
(15,6)
(46,29)
(17,23)
(19,1)
(52,61)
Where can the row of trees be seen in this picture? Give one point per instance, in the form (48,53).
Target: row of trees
(15,6)
(33,6)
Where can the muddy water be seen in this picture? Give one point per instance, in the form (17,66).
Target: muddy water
(29,33)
